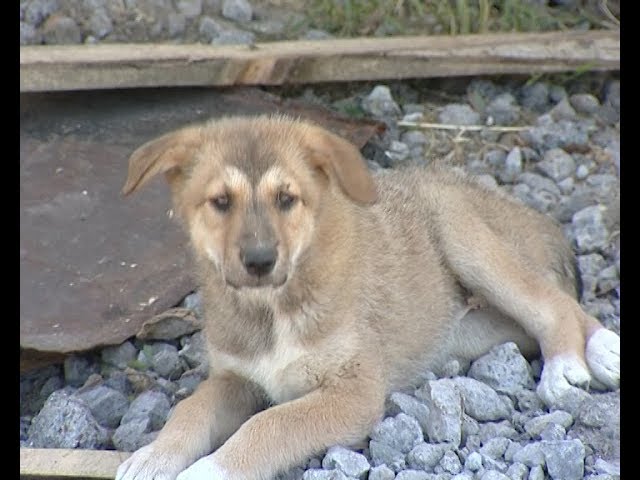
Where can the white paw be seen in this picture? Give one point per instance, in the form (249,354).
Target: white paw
(204,469)
(603,357)
(148,464)
(560,376)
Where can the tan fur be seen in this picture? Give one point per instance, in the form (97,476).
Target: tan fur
(371,288)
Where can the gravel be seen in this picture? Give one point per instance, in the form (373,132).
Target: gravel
(484,422)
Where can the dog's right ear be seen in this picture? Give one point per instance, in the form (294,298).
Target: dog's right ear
(166,154)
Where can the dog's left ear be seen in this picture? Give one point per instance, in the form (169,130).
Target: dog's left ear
(166,154)
(341,160)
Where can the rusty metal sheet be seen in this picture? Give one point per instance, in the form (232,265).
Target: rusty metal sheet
(95,266)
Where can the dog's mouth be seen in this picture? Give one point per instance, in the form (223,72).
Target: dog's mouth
(257,283)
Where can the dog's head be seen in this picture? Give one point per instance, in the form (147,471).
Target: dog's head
(250,190)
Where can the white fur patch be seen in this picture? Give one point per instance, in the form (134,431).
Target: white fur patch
(603,357)
(146,464)
(561,374)
(205,469)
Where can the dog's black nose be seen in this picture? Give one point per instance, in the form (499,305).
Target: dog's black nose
(259,261)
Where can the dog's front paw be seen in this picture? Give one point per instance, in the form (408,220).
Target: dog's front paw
(205,469)
(560,377)
(603,357)
(149,463)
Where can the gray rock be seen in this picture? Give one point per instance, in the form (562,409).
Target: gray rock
(503,109)
(427,455)
(100,24)
(609,468)
(413,475)
(176,24)
(536,473)
(473,462)
(119,381)
(106,404)
(348,462)
(536,425)
(564,133)
(381,472)
(450,462)
(562,111)
(539,183)
(150,404)
(463,476)
(493,475)
(77,368)
(383,454)
(315,34)
(401,432)
(414,138)
(495,158)
(590,230)
(566,186)
(191,379)
(397,151)
(531,455)
(528,401)
(557,93)
(564,459)
(504,369)
(194,351)
(189,8)
(612,94)
(133,435)
(402,403)
(580,198)
(491,430)
(481,401)
(608,279)
(380,103)
(59,30)
(488,181)
(591,264)
(66,422)
(557,164)
(444,402)
(495,447)
(469,427)
(166,363)
(37,11)
(208,29)
(317,474)
(237,10)
(511,450)
(517,471)
(120,355)
(512,166)
(600,410)
(535,97)
(606,186)
(553,431)
(29,35)
(459,114)
(585,103)
(234,37)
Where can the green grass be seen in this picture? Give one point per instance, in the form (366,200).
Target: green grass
(348,18)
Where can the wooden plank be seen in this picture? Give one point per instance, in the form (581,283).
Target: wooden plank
(66,463)
(75,67)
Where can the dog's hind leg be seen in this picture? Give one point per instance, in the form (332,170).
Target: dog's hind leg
(492,268)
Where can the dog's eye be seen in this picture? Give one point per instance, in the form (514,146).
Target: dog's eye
(222,203)
(285,200)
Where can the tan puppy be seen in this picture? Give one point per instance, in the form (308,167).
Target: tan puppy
(326,288)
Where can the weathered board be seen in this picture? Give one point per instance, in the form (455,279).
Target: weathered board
(57,463)
(72,67)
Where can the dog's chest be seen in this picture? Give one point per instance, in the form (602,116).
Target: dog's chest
(285,371)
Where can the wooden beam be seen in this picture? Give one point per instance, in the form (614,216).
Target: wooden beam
(47,463)
(79,67)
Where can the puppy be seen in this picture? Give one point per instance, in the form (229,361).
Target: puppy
(326,288)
